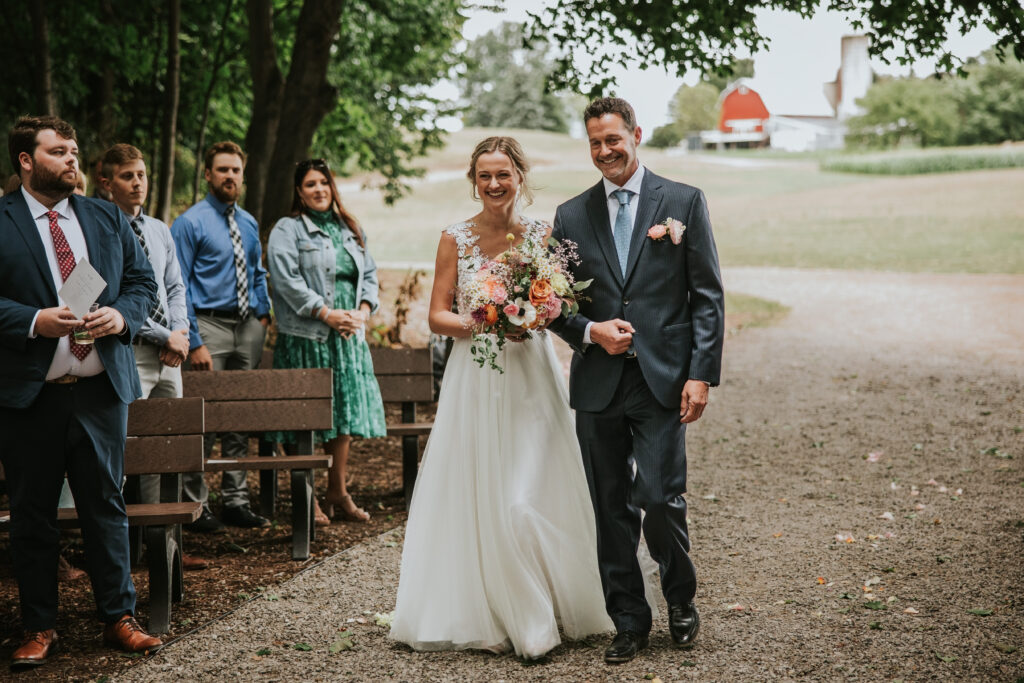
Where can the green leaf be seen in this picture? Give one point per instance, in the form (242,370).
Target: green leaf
(687,662)
(945,658)
(302,647)
(980,612)
(552,242)
(875,605)
(273,597)
(236,548)
(1005,647)
(263,652)
(846,596)
(580,286)
(875,626)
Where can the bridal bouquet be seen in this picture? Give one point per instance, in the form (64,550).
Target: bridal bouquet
(519,291)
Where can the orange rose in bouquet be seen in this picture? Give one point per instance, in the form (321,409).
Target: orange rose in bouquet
(540,292)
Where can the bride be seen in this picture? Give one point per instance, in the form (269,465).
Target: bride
(500,547)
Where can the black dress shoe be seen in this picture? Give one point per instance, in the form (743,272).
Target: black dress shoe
(207,524)
(624,647)
(243,516)
(683,624)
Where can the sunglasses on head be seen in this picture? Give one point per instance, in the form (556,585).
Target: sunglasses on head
(307,164)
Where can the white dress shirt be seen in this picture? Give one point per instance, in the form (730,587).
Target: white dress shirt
(633,185)
(64,362)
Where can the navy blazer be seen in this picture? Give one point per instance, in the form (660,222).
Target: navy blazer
(26,286)
(671,294)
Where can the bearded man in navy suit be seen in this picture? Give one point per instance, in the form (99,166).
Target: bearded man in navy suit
(648,345)
(64,405)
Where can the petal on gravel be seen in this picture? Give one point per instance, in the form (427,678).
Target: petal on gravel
(910,610)
(735,607)
(845,538)
(873,456)
(887,516)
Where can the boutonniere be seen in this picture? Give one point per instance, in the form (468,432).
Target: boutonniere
(671,227)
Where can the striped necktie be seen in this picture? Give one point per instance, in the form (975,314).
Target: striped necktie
(158,315)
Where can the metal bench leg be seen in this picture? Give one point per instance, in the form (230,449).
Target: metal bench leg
(410,465)
(410,453)
(268,481)
(164,559)
(302,513)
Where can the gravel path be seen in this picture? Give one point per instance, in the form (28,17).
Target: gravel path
(856,491)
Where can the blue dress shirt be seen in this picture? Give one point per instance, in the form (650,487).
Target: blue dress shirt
(207,261)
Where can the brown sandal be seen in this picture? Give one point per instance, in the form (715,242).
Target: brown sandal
(345,508)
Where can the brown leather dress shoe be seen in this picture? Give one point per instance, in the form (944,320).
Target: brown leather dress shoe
(35,648)
(126,634)
(191,563)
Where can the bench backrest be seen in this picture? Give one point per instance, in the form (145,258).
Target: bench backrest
(165,435)
(263,400)
(404,375)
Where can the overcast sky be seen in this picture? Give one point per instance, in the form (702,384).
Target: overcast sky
(803,55)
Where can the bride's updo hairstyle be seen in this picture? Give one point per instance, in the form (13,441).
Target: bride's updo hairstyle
(510,148)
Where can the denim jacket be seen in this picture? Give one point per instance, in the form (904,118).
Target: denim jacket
(302,263)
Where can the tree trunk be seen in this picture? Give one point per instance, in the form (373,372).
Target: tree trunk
(47,101)
(267,90)
(307,99)
(218,55)
(168,133)
(154,116)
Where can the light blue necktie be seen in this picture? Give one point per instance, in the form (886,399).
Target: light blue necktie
(623,228)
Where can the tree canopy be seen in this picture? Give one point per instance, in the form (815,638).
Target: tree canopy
(342,79)
(705,37)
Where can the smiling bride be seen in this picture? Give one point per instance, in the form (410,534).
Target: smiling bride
(500,548)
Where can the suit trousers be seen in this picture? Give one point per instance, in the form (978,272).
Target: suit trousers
(634,455)
(158,381)
(78,429)
(234,344)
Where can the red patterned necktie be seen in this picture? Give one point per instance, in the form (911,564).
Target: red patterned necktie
(66,263)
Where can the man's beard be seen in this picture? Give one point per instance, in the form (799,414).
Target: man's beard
(228,195)
(46,182)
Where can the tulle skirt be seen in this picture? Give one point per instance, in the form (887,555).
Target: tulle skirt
(500,546)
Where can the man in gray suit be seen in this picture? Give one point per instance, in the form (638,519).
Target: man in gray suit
(648,344)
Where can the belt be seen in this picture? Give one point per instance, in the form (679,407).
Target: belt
(139,341)
(70,379)
(214,313)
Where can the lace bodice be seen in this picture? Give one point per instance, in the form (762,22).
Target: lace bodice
(471,258)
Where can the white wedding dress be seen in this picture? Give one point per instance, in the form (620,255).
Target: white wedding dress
(500,547)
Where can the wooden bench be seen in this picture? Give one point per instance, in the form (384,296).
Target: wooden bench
(405,376)
(165,438)
(258,401)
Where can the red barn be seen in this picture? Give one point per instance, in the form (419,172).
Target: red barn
(743,111)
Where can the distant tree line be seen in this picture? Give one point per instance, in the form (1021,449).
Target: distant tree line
(986,106)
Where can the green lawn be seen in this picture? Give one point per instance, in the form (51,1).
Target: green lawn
(786,213)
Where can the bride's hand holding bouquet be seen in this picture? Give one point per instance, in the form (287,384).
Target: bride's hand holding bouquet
(520,292)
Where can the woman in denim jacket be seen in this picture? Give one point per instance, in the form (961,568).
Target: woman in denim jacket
(324,289)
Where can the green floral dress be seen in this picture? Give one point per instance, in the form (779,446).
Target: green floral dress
(358,408)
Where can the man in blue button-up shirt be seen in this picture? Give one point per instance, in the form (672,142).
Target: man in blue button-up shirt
(228,309)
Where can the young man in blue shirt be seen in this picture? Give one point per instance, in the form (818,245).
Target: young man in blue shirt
(228,310)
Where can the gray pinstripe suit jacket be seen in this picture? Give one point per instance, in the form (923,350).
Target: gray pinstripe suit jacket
(671,294)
